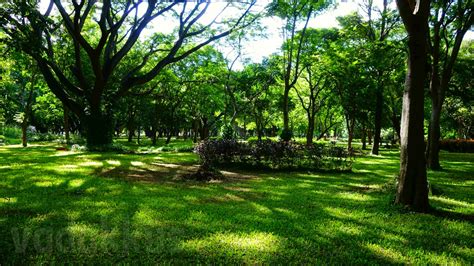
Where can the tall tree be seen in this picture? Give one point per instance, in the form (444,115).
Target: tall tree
(450,20)
(293,12)
(412,182)
(315,78)
(102,35)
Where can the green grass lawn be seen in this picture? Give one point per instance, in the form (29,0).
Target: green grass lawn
(60,206)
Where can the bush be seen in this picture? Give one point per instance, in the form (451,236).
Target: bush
(36,136)
(275,155)
(457,145)
(114,147)
(12,132)
(228,132)
(286,135)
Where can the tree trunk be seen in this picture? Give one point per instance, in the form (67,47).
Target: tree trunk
(66,124)
(168,137)
(364,138)
(24,127)
(433,139)
(130,134)
(350,131)
(441,73)
(258,126)
(412,183)
(310,131)
(139,129)
(26,118)
(378,120)
(286,111)
(99,129)
(396,126)
(204,132)
(369,136)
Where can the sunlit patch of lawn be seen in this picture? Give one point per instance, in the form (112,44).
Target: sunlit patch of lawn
(77,207)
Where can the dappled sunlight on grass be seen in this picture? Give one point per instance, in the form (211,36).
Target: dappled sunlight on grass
(8,200)
(121,208)
(392,255)
(250,247)
(91,163)
(113,162)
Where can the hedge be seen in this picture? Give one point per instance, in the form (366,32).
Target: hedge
(274,154)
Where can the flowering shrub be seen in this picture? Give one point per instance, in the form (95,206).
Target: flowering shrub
(273,154)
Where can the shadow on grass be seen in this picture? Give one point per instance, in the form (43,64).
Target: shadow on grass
(61,209)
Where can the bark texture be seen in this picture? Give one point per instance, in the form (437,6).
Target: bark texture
(412,183)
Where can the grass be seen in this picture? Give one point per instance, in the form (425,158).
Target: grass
(66,207)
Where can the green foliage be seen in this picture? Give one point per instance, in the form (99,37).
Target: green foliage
(12,132)
(228,132)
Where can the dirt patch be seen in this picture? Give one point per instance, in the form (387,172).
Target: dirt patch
(240,189)
(164,172)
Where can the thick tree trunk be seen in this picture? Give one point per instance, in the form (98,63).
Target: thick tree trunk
(378,121)
(412,183)
(99,129)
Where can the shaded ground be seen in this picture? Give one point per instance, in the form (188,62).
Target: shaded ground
(58,206)
(166,172)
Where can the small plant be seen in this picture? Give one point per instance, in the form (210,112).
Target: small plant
(78,148)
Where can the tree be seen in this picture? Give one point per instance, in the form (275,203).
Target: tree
(101,37)
(293,12)
(412,182)
(375,35)
(312,92)
(450,21)
(21,89)
(346,59)
(459,102)
(258,96)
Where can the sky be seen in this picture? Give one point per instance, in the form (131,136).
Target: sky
(257,49)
